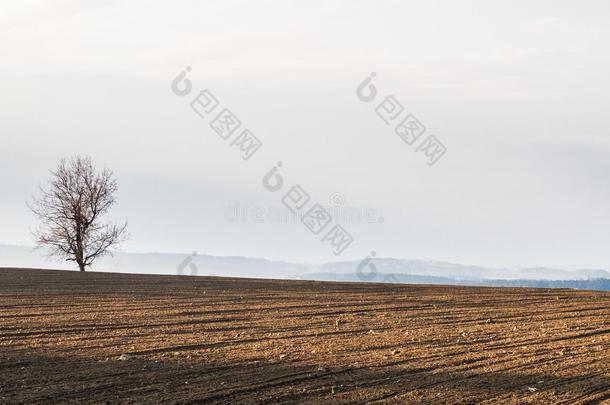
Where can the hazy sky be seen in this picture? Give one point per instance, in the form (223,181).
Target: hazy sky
(517,91)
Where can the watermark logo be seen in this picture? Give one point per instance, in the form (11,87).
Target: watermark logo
(409,129)
(181,86)
(366,270)
(315,219)
(188,262)
(247,143)
(432,148)
(295,199)
(225,123)
(366,91)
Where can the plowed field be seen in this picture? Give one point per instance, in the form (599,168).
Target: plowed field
(221,340)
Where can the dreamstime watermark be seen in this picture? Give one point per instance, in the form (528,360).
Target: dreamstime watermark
(239,213)
(407,126)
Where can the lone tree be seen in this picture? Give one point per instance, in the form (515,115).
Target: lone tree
(70,210)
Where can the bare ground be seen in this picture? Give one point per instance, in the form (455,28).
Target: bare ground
(221,340)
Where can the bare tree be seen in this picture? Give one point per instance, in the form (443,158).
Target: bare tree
(70,211)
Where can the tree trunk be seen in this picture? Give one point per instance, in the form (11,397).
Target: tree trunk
(81,267)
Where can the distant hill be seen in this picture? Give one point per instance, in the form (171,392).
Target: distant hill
(382,270)
(601,284)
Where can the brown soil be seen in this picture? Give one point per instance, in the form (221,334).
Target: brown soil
(208,339)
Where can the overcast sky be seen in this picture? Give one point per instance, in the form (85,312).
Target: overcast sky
(517,91)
